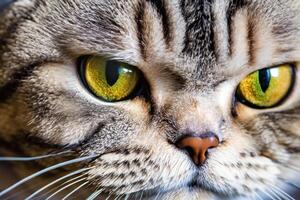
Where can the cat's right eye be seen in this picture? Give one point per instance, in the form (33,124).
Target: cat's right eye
(267,88)
(110,80)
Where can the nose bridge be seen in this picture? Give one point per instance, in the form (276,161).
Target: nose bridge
(197,125)
(199,121)
(198,114)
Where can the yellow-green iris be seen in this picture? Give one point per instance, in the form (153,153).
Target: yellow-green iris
(266,88)
(109,80)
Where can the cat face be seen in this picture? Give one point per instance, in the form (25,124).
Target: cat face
(192,57)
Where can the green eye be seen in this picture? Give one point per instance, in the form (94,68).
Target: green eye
(266,88)
(108,79)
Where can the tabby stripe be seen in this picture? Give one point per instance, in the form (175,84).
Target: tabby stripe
(251,42)
(89,137)
(139,18)
(199,36)
(161,9)
(12,85)
(289,134)
(233,8)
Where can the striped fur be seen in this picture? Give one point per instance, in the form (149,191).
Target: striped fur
(193,53)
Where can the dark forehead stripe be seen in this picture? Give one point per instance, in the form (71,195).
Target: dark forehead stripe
(233,8)
(161,9)
(199,34)
(12,85)
(139,18)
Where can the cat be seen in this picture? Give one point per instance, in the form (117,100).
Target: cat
(150,99)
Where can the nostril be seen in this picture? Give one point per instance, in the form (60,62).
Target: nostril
(198,147)
(190,151)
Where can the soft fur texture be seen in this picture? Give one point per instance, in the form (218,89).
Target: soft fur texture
(193,54)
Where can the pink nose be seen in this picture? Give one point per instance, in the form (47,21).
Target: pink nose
(197,147)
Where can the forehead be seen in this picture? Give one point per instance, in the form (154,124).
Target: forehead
(194,38)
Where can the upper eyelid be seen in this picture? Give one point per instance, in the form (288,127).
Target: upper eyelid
(247,71)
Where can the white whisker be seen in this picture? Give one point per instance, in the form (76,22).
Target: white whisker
(294,168)
(111,193)
(44,171)
(94,195)
(75,190)
(294,185)
(126,197)
(268,194)
(282,193)
(65,187)
(274,193)
(119,196)
(141,197)
(290,183)
(258,196)
(75,178)
(31,158)
(61,185)
(107,198)
(58,180)
(157,196)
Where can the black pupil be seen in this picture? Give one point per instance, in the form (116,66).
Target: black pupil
(264,79)
(112,72)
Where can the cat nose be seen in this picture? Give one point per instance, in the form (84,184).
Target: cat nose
(197,146)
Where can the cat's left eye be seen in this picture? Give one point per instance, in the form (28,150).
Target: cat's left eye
(266,88)
(109,80)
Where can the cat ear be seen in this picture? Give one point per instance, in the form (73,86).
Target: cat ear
(5,3)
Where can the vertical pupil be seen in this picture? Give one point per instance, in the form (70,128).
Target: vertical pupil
(264,79)
(112,72)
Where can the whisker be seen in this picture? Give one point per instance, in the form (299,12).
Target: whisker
(118,197)
(258,196)
(31,158)
(289,183)
(295,167)
(274,193)
(280,195)
(58,180)
(141,195)
(268,194)
(293,185)
(157,196)
(95,194)
(111,193)
(107,198)
(291,167)
(126,197)
(73,179)
(283,193)
(44,171)
(75,190)
(65,187)
(44,195)
(19,193)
